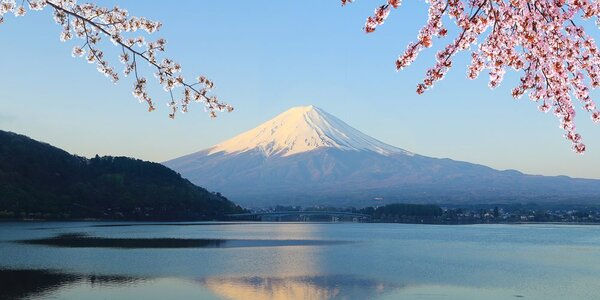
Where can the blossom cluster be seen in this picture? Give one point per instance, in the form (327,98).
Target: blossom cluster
(93,24)
(559,61)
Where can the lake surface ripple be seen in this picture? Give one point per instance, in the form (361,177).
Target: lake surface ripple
(100,260)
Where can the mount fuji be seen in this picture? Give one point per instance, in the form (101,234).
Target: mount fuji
(306,156)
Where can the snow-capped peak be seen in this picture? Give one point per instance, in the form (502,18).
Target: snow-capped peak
(302,129)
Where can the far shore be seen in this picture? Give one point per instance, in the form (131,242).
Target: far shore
(233,222)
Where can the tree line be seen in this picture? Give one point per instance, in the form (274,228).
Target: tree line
(41,181)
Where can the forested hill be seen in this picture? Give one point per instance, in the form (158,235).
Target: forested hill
(38,180)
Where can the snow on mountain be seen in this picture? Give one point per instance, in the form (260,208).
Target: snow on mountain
(306,156)
(303,129)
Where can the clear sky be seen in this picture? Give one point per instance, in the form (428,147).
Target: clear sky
(265,57)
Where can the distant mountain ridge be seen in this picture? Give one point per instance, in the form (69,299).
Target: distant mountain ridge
(306,156)
(42,181)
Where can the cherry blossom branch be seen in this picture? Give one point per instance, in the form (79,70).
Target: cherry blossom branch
(90,23)
(539,37)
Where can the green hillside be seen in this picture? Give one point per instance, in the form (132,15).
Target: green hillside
(38,180)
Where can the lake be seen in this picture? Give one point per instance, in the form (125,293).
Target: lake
(101,260)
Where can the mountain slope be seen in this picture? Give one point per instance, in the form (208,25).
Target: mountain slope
(303,129)
(36,178)
(307,156)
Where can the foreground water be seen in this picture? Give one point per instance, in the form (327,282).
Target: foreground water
(297,261)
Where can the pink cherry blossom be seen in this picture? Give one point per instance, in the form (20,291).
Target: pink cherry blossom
(91,24)
(559,61)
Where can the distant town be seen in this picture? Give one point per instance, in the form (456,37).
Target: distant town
(434,214)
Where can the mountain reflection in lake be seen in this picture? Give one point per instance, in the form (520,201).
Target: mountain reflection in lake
(305,287)
(42,284)
(96,260)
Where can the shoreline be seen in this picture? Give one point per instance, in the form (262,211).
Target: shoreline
(226,222)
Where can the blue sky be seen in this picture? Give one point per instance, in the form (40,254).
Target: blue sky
(265,58)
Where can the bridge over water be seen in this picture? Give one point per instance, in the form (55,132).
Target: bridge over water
(334,216)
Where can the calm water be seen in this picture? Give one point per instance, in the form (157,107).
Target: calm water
(298,261)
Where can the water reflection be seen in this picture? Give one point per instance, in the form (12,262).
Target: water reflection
(108,225)
(80,240)
(174,224)
(301,287)
(424,262)
(20,284)
(44,284)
